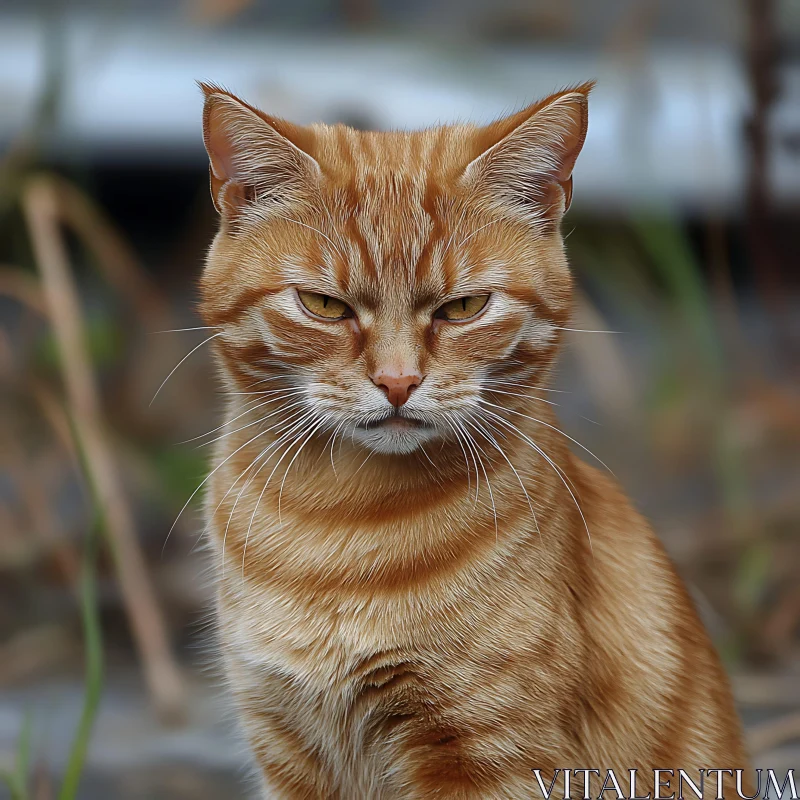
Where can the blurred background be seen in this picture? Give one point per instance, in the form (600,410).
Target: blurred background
(686,381)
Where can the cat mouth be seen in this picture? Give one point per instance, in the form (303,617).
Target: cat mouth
(394,423)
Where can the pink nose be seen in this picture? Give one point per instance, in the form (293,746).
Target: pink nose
(397,388)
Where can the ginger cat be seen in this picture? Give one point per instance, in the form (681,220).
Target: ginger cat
(422,592)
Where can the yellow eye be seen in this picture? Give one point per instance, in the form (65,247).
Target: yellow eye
(463,308)
(325,306)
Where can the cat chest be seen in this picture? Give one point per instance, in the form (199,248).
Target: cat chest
(356,647)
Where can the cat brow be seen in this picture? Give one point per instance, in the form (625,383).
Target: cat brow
(312,283)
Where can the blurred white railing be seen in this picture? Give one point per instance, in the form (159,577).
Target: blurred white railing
(666,126)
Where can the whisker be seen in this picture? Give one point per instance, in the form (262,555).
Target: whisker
(526,385)
(205,480)
(181,330)
(555,467)
(175,368)
(333,227)
(248,391)
(488,486)
(361,465)
(513,394)
(552,428)
(321,422)
(454,231)
(287,407)
(500,450)
(263,490)
(463,452)
(329,444)
(238,497)
(425,453)
(280,427)
(233,419)
(312,228)
(582,330)
(469,445)
(288,430)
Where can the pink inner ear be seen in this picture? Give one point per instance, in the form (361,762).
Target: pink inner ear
(567,187)
(229,190)
(218,142)
(221,162)
(572,144)
(532,162)
(246,150)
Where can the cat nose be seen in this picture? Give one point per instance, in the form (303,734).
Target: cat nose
(397,388)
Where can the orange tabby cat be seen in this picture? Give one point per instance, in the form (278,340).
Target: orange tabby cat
(422,592)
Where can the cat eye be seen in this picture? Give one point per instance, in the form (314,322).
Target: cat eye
(324,306)
(463,308)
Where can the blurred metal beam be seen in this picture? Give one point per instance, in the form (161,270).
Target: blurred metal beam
(129,96)
(762,60)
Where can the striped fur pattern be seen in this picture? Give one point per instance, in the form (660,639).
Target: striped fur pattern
(430,601)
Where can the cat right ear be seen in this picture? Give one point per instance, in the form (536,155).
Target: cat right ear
(525,161)
(253,158)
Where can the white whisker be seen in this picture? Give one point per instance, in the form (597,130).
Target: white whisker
(263,490)
(181,330)
(523,384)
(454,231)
(552,428)
(289,427)
(500,450)
(469,445)
(515,394)
(463,451)
(488,486)
(547,458)
(320,423)
(287,407)
(582,330)
(205,480)
(175,368)
(312,228)
(233,419)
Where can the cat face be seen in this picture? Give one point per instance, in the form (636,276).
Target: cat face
(379,285)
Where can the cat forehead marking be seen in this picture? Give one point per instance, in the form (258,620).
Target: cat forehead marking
(390,227)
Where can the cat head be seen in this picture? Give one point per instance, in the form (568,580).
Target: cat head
(383,284)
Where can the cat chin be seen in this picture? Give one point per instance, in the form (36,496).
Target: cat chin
(394,442)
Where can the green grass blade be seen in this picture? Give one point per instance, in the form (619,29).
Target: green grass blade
(93,648)
(668,249)
(17,780)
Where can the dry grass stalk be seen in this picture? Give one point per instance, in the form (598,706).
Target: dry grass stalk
(120,266)
(53,412)
(41,207)
(35,488)
(22,287)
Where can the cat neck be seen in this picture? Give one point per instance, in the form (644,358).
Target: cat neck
(357,518)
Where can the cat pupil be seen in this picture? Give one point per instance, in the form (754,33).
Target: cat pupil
(464,303)
(325,299)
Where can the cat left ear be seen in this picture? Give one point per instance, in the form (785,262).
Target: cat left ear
(526,160)
(252,157)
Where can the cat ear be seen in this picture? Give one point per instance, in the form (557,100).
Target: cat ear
(253,158)
(526,159)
